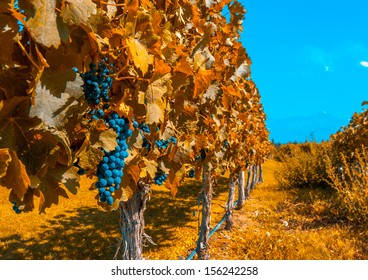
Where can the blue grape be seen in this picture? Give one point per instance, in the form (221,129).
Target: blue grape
(191,173)
(160,177)
(15,208)
(109,170)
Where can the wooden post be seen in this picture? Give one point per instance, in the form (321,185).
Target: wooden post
(230,204)
(202,245)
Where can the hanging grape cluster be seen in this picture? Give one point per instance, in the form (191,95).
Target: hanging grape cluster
(15,208)
(163,144)
(97,83)
(160,177)
(109,170)
(96,86)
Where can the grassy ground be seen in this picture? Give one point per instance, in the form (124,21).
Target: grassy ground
(279,224)
(274,224)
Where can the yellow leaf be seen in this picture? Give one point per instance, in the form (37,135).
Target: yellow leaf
(77,11)
(141,58)
(155,113)
(151,167)
(43,24)
(127,194)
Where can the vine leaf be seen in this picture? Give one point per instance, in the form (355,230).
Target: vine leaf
(104,139)
(150,167)
(5,159)
(232,91)
(141,58)
(43,25)
(8,36)
(77,11)
(203,80)
(173,180)
(16,177)
(153,97)
(134,171)
(52,183)
(54,109)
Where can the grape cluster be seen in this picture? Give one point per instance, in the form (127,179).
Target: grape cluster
(164,143)
(146,144)
(97,83)
(15,208)
(191,173)
(160,177)
(144,127)
(109,170)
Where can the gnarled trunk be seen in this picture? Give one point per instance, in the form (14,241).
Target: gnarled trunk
(241,190)
(230,205)
(132,223)
(202,245)
(260,179)
(247,188)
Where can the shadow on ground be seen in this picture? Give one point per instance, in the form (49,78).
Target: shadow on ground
(89,233)
(166,213)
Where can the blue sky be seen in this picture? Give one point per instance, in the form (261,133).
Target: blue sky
(308,56)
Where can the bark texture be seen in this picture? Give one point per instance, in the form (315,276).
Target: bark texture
(241,190)
(230,205)
(247,188)
(132,223)
(202,245)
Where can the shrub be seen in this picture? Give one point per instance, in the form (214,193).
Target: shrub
(350,180)
(303,165)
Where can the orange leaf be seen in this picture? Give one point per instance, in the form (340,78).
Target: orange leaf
(232,91)
(133,170)
(203,80)
(16,177)
(161,67)
(4,161)
(183,66)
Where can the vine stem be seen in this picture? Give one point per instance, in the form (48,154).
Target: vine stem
(27,55)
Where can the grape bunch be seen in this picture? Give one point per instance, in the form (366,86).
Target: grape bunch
(164,143)
(109,170)
(146,144)
(15,208)
(160,177)
(97,83)
(144,127)
(191,173)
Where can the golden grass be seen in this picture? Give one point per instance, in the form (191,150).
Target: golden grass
(289,224)
(275,223)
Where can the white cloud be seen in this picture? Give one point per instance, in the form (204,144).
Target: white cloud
(364,63)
